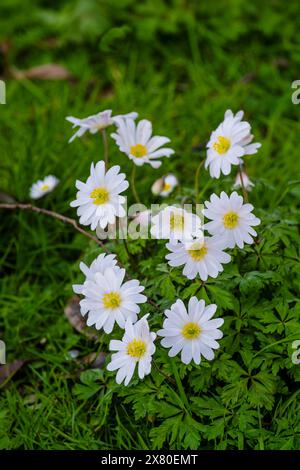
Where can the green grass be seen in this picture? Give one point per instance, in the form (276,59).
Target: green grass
(182,72)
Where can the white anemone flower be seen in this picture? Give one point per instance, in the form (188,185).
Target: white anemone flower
(96,122)
(228,144)
(98,200)
(113,231)
(99,265)
(135,350)
(164,186)
(137,142)
(143,218)
(200,257)
(231,219)
(108,299)
(191,331)
(247,183)
(174,223)
(42,187)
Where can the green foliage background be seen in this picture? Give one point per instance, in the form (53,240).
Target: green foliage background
(180,64)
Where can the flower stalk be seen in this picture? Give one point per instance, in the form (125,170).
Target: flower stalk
(105,147)
(244,189)
(197,180)
(134,190)
(179,385)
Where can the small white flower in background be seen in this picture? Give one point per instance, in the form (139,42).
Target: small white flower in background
(137,143)
(73,353)
(99,265)
(228,144)
(143,218)
(174,223)
(191,331)
(98,200)
(109,299)
(164,186)
(135,349)
(96,122)
(231,219)
(42,187)
(200,257)
(157,186)
(246,181)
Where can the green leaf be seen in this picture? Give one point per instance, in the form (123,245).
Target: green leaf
(255,281)
(113,36)
(167,288)
(90,384)
(221,297)
(190,291)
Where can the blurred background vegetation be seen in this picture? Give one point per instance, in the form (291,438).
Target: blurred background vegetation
(178,63)
(200,58)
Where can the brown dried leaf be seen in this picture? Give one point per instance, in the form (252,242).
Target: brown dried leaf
(281,62)
(249,77)
(4,47)
(9,370)
(43,72)
(95,360)
(72,312)
(6,198)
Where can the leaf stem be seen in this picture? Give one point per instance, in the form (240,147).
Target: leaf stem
(169,379)
(197,180)
(128,252)
(105,146)
(179,385)
(285,340)
(261,440)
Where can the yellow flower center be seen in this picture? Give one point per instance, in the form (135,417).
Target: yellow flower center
(230,220)
(166,187)
(100,196)
(138,150)
(45,187)
(111,300)
(136,348)
(176,221)
(222,145)
(191,330)
(197,251)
